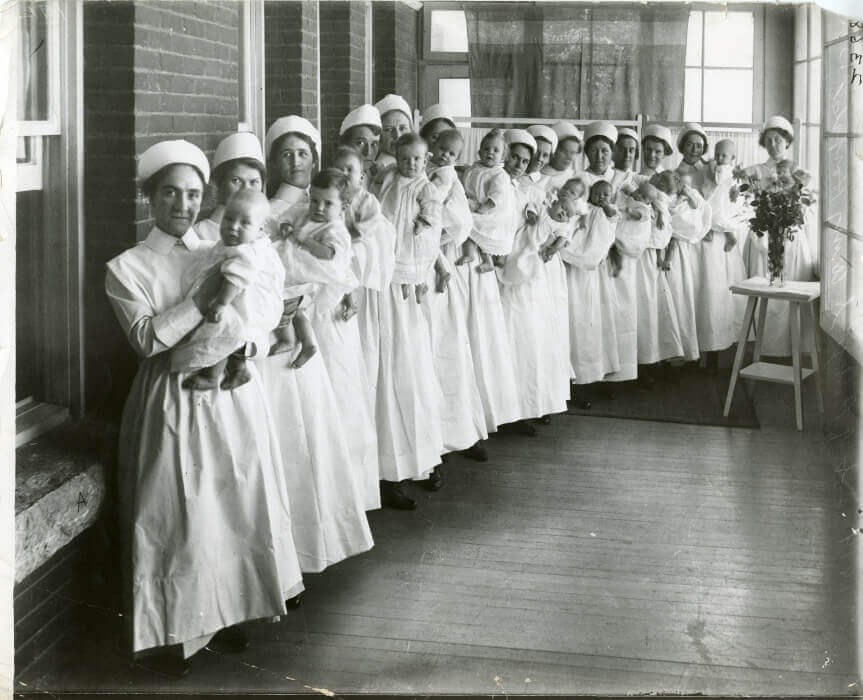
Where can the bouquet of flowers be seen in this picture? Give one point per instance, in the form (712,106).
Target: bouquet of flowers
(779,206)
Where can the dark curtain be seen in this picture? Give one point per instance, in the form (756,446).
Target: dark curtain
(575,61)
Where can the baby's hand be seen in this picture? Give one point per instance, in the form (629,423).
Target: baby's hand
(730,241)
(610,210)
(347,308)
(708,236)
(689,193)
(660,219)
(635,214)
(531,217)
(420,223)
(215,312)
(286,230)
(442,280)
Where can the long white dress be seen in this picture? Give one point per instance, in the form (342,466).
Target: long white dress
(203,498)
(462,414)
(714,302)
(799,265)
(373,242)
(592,329)
(326,488)
(407,412)
(688,224)
(530,313)
(658,329)
(492,230)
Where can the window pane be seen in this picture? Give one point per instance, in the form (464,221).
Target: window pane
(727,95)
(814,91)
(800,93)
(448,31)
(855,315)
(836,268)
(836,109)
(692,95)
(855,216)
(454,96)
(857,97)
(801,32)
(813,154)
(33,61)
(728,39)
(834,25)
(814,31)
(693,39)
(835,199)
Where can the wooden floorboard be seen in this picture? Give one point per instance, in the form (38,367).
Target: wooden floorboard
(605,556)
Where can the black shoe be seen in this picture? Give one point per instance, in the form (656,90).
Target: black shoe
(476,452)
(434,481)
(295,602)
(545,420)
(392,496)
(231,640)
(170,665)
(580,402)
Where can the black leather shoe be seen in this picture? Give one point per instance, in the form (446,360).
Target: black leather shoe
(545,420)
(231,640)
(170,665)
(392,496)
(476,452)
(434,481)
(295,602)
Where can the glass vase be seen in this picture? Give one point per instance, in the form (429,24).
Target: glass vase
(776,259)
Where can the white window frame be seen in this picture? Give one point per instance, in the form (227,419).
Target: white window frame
(251,74)
(51,125)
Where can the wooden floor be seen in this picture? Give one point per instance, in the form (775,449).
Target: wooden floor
(606,556)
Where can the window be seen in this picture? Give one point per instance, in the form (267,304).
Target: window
(251,87)
(49,170)
(444,73)
(841,182)
(720,62)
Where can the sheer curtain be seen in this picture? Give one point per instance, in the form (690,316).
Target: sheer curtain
(577,61)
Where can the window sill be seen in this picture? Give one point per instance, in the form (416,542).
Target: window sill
(59,491)
(33,418)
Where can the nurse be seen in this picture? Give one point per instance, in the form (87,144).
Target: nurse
(396,119)
(203,499)
(237,164)
(361,130)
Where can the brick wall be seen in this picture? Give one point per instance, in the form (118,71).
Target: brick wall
(395,26)
(291,57)
(154,70)
(342,65)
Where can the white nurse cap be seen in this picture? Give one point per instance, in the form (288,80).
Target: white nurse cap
(541,131)
(288,125)
(626,132)
(779,124)
(364,115)
(167,153)
(435,112)
(691,128)
(241,145)
(565,130)
(394,103)
(520,136)
(660,133)
(603,128)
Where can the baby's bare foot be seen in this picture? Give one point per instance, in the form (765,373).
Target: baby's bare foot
(306,353)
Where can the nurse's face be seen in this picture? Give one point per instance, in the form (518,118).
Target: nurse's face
(394,123)
(598,155)
(433,130)
(692,148)
(295,161)
(177,199)
(239,177)
(517,159)
(565,154)
(542,156)
(625,151)
(775,144)
(366,141)
(653,151)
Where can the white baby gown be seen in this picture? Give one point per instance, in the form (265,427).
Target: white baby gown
(592,331)
(407,413)
(462,414)
(493,231)
(254,268)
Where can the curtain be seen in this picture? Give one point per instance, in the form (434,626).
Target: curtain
(576,61)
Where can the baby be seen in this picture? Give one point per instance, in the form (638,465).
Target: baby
(413,205)
(246,302)
(722,171)
(491,195)
(668,183)
(601,194)
(321,243)
(566,214)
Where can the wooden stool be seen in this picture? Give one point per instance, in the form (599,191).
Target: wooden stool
(800,295)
